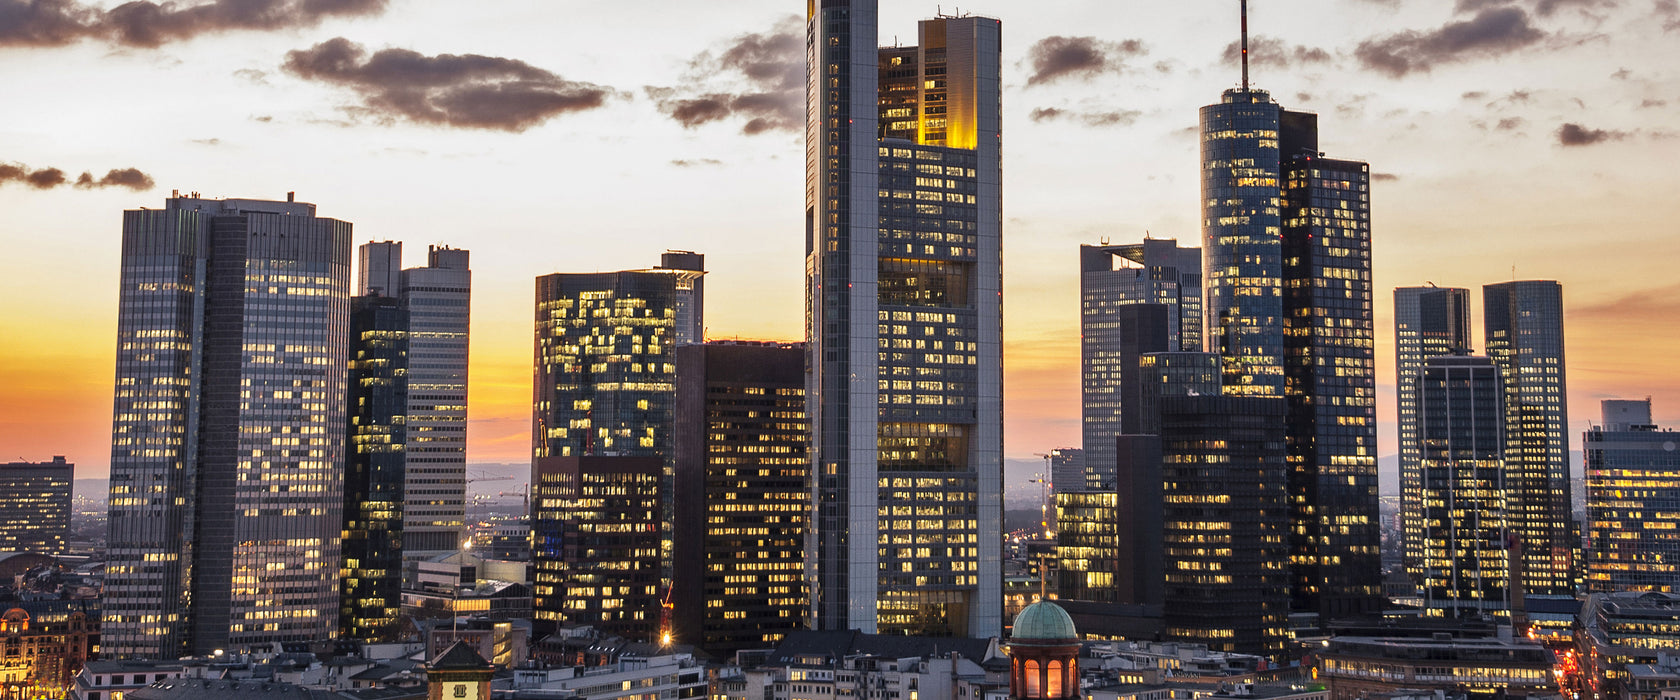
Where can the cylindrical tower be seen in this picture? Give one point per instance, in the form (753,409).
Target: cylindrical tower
(1043,654)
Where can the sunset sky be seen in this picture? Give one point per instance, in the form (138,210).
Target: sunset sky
(1534,138)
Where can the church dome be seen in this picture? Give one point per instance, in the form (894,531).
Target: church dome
(1043,620)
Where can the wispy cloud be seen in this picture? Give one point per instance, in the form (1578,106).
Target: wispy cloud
(464,91)
(145,24)
(1059,58)
(49,178)
(1493,31)
(1577,135)
(758,77)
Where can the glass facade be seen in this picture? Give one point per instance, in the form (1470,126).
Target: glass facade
(595,538)
(230,390)
(1225,522)
(743,510)
(1113,280)
(370,580)
(1067,469)
(35,506)
(1633,502)
(904,325)
(1428,322)
(606,369)
(1242,249)
(1466,505)
(1088,545)
(439,299)
(1524,325)
(1330,379)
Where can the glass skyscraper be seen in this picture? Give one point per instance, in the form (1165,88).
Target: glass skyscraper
(1466,506)
(439,298)
(606,366)
(1113,281)
(1524,324)
(228,444)
(35,506)
(1330,380)
(371,578)
(1633,502)
(1428,322)
(742,503)
(904,324)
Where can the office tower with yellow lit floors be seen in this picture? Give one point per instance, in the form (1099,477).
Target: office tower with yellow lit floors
(904,324)
(742,503)
(1429,322)
(1633,501)
(228,436)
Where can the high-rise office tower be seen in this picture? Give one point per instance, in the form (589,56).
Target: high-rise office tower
(605,362)
(1242,234)
(371,579)
(1067,469)
(1466,505)
(904,324)
(439,298)
(595,544)
(742,506)
(35,506)
(1286,250)
(1225,518)
(1524,324)
(1113,281)
(1428,322)
(1633,502)
(1330,372)
(1088,544)
(228,446)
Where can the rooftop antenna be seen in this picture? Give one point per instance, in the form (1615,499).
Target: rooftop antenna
(1245,44)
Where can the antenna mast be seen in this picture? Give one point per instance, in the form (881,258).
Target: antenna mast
(1245,44)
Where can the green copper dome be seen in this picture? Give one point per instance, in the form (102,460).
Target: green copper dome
(1043,620)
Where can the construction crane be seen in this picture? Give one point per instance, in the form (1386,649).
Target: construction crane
(1043,481)
(485,476)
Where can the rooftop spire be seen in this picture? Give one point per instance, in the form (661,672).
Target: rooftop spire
(1245,44)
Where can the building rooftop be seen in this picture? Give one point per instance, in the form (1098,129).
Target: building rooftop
(1043,620)
(801,646)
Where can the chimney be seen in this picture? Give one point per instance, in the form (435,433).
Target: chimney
(291,197)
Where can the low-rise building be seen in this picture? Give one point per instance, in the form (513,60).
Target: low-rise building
(1621,630)
(1354,667)
(114,680)
(39,658)
(1652,681)
(654,677)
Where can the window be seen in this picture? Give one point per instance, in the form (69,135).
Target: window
(1031,670)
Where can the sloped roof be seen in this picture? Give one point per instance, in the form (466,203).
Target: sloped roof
(458,657)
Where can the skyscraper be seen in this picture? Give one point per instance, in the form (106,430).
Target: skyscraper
(1428,322)
(1633,502)
(1224,519)
(1113,281)
(606,367)
(1466,504)
(1287,257)
(371,578)
(35,506)
(904,324)
(742,505)
(1330,379)
(595,543)
(1524,324)
(228,443)
(1067,469)
(438,297)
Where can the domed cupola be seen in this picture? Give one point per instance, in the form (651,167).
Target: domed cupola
(1043,654)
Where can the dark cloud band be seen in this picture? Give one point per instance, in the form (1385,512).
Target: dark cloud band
(147,24)
(49,178)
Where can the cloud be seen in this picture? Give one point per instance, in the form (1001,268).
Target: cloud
(1648,104)
(1577,135)
(1544,8)
(1510,124)
(49,178)
(1095,118)
(1384,177)
(1492,32)
(1474,95)
(466,91)
(208,142)
(1266,51)
(146,24)
(696,162)
(1082,57)
(758,78)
